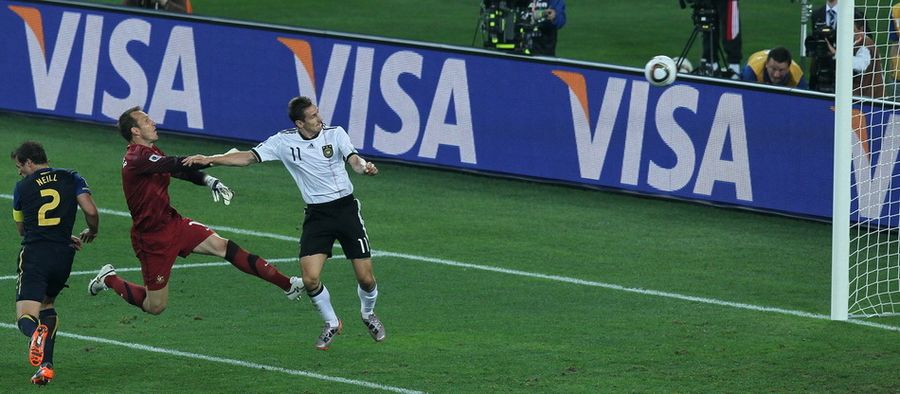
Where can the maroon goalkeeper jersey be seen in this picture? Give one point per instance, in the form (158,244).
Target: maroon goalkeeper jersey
(145,180)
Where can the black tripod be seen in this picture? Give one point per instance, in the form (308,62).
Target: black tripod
(706,22)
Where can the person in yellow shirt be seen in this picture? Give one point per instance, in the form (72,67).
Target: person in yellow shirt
(774,67)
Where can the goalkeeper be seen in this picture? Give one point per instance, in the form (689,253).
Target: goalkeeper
(159,233)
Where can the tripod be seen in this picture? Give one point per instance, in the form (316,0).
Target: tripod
(706,22)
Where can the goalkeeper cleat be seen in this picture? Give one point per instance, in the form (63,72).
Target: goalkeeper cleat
(36,347)
(376,328)
(296,289)
(328,334)
(98,284)
(43,375)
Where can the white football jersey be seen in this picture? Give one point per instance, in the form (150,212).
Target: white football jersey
(317,165)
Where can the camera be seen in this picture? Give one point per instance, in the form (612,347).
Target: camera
(817,42)
(706,20)
(822,68)
(704,14)
(510,25)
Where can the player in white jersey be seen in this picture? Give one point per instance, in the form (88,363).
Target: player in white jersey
(315,156)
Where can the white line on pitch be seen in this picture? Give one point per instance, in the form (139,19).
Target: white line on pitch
(230,361)
(176,266)
(631,289)
(576,281)
(218,228)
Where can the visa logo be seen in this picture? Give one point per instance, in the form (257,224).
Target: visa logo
(48,72)
(728,127)
(872,178)
(450,94)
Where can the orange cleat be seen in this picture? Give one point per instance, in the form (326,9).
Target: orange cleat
(43,375)
(36,348)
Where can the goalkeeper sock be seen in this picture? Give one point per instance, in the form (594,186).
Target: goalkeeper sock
(49,318)
(255,265)
(27,324)
(321,299)
(367,300)
(130,292)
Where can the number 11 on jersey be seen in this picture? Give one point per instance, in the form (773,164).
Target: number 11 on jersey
(295,153)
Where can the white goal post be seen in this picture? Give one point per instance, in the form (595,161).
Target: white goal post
(840,218)
(865,266)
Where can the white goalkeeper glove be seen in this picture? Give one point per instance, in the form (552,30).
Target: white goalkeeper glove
(219,190)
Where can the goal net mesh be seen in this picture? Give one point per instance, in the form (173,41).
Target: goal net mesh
(874,278)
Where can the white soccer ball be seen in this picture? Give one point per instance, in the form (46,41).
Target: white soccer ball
(660,71)
(684,65)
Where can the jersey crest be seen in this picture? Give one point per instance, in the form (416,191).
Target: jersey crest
(328,151)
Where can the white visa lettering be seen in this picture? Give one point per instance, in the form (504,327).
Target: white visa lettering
(729,121)
(676,138)
(592,149)
(634,134)
(359,106)
(871,189)
(337,68)
(127,67)
(48,76)
(454,82)
(180,55)
(90,56)
(400,141)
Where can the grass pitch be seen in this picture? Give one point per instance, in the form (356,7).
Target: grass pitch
(486,285)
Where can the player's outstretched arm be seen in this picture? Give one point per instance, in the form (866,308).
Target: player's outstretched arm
(361,166)
(91,216)
(233,157)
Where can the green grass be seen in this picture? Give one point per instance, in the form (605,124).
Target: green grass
(468,328)
(615,32)
(452,328)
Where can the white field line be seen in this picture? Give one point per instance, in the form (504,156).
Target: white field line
(230,361)
(176,266)
(239,363)
(576,281)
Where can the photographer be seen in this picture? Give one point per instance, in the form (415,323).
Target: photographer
(550,16)
(774,67)
(728,32)
(825,15)
(522,26)
(867,78)
(182,6)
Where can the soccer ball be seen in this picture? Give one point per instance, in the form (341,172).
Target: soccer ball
(660,71)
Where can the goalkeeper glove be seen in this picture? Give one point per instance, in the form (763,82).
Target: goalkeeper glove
(219,190)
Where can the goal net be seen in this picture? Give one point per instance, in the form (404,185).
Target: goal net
(866,217)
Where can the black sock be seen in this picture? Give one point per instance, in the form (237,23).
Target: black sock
(27,324)
(255,265)
(49,319)
(314,292)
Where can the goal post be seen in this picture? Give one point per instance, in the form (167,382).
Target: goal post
(865,266)
(840,218)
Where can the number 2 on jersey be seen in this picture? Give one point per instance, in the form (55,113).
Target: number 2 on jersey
(43,220)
